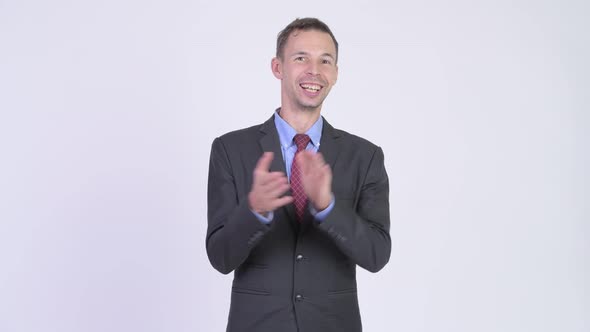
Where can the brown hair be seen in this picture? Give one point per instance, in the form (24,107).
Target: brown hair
(308,23)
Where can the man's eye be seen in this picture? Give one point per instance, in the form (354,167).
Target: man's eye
(299,58)
(327,62)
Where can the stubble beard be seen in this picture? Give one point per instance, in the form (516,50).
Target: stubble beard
(299,102)
(310,106)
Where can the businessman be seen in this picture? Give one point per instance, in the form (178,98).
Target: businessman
(294,205)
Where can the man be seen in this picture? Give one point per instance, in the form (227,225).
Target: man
(295,204)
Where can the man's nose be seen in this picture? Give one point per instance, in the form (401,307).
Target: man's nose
(313,68)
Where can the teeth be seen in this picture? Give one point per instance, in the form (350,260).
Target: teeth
(311,87)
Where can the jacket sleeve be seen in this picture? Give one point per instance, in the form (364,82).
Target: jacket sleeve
(362,232)
(232,229)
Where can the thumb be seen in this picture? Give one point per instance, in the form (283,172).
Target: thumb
(263,163)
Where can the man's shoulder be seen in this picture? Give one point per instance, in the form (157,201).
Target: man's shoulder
(240,135)
(354,141)
(248,134)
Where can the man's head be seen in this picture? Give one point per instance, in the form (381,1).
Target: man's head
(305,24)
(307,53)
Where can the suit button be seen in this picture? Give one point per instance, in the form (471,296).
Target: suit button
(299,257)
(298,297)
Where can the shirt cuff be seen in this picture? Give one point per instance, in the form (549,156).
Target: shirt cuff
(264,219)
(322,215)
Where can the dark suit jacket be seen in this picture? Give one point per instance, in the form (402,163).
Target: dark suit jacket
(291,276)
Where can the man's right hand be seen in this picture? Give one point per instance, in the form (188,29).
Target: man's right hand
(268,187)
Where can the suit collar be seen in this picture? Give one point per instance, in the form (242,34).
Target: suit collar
(330,146)
(287,133)
(270,143)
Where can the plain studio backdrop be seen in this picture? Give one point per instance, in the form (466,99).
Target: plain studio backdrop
(108,110)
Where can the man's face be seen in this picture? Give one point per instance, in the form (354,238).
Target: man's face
(307,69)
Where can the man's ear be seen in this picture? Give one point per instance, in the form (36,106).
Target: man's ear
(336,78)
(277,69)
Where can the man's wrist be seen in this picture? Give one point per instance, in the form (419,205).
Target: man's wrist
(264,218)
(322,214)
(322,204)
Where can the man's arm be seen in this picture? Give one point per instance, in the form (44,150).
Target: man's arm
(233,228)
(361,233)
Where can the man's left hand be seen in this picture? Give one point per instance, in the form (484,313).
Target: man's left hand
(316,177)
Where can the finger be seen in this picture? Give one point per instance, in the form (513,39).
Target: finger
(267,178)
(263,163)
(274,183)
(278,190)
(312,164)
(322,165)
(303,160)
(320,158)
(327,170)
(307,154)
(282,201)
(315,160)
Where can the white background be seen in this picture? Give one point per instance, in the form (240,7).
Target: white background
(108,110)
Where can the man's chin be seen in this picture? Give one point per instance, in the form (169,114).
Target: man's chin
(311,106)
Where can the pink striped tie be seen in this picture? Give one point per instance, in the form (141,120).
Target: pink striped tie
(299,197)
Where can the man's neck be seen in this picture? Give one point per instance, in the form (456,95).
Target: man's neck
(300,120)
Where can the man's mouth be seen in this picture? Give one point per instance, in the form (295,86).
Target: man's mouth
(311,87)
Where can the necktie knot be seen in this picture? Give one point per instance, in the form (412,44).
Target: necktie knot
(301,140)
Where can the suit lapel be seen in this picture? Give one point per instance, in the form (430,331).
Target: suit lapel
(329,146)
(270,142)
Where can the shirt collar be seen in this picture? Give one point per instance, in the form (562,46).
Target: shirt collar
(286,132)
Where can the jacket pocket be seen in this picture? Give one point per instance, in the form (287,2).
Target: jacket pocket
(255,266)
(342,292)
(249,291)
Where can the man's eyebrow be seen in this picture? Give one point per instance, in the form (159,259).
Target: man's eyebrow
(299,53)
(305,53)
(328,55)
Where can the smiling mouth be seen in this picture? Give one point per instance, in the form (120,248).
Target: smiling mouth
(311,87)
